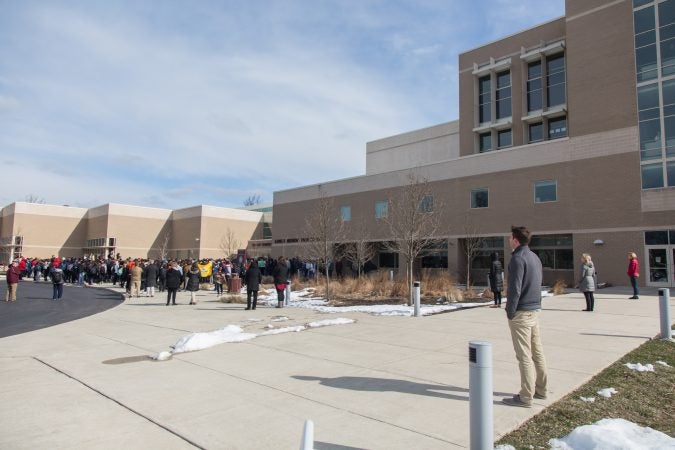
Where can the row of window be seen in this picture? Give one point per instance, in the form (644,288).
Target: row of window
(553,88)
(544,191)
(536,132)
(654,24)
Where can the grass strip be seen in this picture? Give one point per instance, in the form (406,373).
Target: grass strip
(645,398)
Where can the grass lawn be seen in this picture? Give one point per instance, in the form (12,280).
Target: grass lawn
(645,398)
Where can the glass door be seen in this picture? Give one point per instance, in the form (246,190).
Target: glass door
(660,266)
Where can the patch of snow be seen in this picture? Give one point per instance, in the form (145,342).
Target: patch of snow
(613,434)
(505,447)
(663,363)
(588,399)
(162,356)
(640,368)
(327,322)
(255,320)
(269,326)
(284,330)
(546,294)
(200,341)
(607,392)
(280,319)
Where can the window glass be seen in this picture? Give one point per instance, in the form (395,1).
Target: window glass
(388,260)
(564,259)
(534,91)
(650,139)
(645,61)
(483,259)
(484,99)
(346,213)
(485,142)
(668,57)
(381,209)
(503,95)
(479,198)
(552,240)
(426,204)
(545,191)
(536,132)
(656,237)
(666,14)
(646,38)
(546,256)
(504,138)
(555,80)
(637,3)
(494,242)
(557,128)
(670,171)
(652,176)
(671,234)
(644,20)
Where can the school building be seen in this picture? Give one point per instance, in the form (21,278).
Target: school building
(567,128)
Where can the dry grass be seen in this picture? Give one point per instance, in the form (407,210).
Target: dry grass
(559,287)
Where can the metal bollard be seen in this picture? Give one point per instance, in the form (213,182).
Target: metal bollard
(288,293)
(416,296)
(664,310)
(307,436)
(480,395)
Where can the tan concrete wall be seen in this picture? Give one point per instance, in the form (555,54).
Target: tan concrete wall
(601,92)
(183,235)
(137,237)
(214,231)
(44,236)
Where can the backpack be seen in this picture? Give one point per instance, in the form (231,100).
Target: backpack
(57,276)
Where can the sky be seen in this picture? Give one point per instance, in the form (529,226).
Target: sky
(172,104)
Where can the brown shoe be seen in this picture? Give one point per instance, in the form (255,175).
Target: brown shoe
(516,401)
(540,396)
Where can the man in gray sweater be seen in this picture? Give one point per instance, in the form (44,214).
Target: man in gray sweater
(522,309)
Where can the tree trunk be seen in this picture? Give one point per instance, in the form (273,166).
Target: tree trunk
(468,271)
(410,283)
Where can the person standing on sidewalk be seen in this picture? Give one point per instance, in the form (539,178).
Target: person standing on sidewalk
(633,274)
(252,280)
(523,305)
(136,276)
(193,283)
(587,281)
(496,278)
(173,280)
(13,276)
(280,274)
(58,278)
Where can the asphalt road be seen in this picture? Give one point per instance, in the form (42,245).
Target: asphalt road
(34,308)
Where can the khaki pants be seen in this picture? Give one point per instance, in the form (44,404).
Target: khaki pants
(529,353)
(11,292)
(136,288)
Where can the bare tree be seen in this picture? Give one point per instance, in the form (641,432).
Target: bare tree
(412,223)
(472,245)
(359,250)
(252,200)
(229,243)
(32,198)
(163,249)
(325,228)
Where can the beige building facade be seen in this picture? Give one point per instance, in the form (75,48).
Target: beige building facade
(565,128)
(39,230)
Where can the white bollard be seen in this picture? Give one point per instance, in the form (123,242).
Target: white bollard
(416,296)
(391,275)
(664,310)
(288,292)
(307,436)
(480,396)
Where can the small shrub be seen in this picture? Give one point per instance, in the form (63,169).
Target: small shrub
(559,287)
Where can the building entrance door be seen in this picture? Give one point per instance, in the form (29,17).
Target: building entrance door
(660,270)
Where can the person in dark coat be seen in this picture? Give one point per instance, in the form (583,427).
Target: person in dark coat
(173,281)
(280,274)
(193,282)
(161,278)
(496,280)
(252,280)
(151,274)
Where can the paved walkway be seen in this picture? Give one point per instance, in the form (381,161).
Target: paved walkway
(381,383)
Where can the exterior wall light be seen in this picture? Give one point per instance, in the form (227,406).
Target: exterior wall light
(598,242)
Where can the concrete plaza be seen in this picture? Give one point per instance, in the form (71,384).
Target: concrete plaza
(381,383)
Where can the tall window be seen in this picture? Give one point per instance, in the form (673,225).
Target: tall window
(426,204)
(503,95)
(545,191)
(654,25)
(485,142)
(479,198)
(346,213)
(555,80)
(381,209)
(535,132)
(554,251)
(534,91)
(484,99)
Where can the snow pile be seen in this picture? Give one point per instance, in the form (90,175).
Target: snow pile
(607,392)
(640,368)
(200,341)
(283,330)
(546,294)
(663,363)
(304,299)
(162,356)
(613,434)
(505,447)
(588,399)
(327,322)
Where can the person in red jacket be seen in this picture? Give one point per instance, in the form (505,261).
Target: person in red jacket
(12,281)
(633,274)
